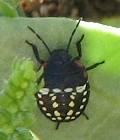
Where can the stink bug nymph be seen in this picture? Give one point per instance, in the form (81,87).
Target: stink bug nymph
(66,92)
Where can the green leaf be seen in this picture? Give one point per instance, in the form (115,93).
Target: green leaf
(7,10)
(3,136)
(100,43)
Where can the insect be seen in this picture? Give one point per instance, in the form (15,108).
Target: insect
(66,92)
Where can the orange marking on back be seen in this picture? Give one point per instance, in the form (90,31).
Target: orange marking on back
(78,63)
(85,74)
(44,65)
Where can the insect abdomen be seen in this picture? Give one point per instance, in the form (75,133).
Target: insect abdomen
(63,105)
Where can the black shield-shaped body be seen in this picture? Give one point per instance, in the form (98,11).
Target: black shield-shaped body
(66,92)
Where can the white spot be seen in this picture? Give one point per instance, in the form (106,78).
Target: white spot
(48,114)
(53,98)
(56,113)
(74,93)
(70,112)
(72,118)
(72,97)
(63,104)
(63,95)
(71,104)
(80,89)
(44,108)
(55,105)
(84,99)
(77,113)
(59,118)
(52,94)
(81,107)
(67,118)
(57,90)
(68,89)
(53,119)
(41,102)
(85,93)
(39,96)
(44,91)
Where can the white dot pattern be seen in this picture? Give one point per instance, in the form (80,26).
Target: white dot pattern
(52,102)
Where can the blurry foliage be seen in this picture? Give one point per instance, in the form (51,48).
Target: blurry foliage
(90,10)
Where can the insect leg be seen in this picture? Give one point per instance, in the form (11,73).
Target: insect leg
(79,50)
(35,50)
(58,123)
(94,65)
(85,115)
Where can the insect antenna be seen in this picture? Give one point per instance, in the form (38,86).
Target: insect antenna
(73,35)
(40,40)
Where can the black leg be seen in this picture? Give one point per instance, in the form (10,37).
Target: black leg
(85,116)
(35,50)
(58,123)
(94,65)
(78,45)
